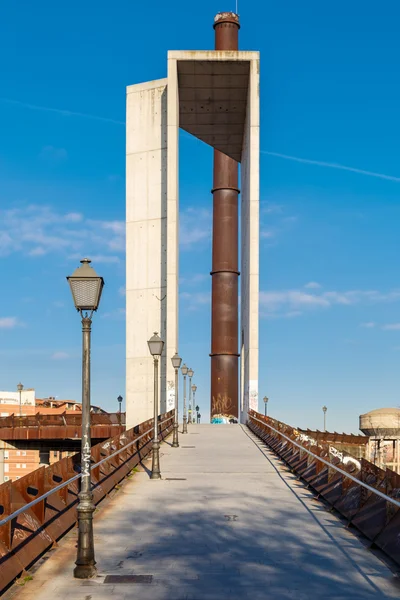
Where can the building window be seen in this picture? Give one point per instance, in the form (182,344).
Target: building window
(17,478)
(6,454)
(23,452)
(18,466)
(18,453)
(24,466)
(55,454)
(6,468)
(6,478)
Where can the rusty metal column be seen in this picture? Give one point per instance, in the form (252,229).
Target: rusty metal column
(225,274)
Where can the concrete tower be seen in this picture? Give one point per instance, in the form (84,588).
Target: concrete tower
(213,95)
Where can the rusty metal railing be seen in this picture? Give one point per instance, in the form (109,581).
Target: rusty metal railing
(38,509)
(369,498)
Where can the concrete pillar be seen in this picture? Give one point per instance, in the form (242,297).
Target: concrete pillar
(146,244)
(250,225)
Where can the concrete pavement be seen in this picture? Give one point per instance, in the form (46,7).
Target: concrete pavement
(227,521)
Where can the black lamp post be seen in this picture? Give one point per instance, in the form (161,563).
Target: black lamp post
(86,287)
(265,405)
(184,371)
(120,398)
(324,409)
(190,375)
(176,363)
(156,346)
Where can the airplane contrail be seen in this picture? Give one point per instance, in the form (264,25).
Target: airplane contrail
(308,161)
(320,163)
(60,111)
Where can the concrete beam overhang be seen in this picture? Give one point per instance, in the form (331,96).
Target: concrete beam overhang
(213,94)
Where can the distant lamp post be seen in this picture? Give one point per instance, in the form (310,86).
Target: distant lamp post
(20,387)
(199,418)
(194,388)
(176,363)
(265,405)
(190,375)
(156,346)
(120,398)
(184,371)
(197,413)
(86,287)
(324,408)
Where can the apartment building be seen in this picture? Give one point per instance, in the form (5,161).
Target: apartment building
(17,463)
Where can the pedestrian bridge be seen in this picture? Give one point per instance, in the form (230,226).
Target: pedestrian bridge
(228,520)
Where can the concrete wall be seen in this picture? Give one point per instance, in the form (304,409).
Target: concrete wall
(146,243)
(172,228)
(250,194)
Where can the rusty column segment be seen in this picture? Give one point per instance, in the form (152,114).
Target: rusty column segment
(225,274)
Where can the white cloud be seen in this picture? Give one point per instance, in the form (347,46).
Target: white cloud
(284,302)
(267,234)
(37,231)
(193,301)
(195,227)
(312,285)
(368,324)
(73,217)
(59,356)
(52,154)
(9,322)
(122,291)
(392,327)
(269,208)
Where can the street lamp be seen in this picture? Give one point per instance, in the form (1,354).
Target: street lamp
(194,388)
(156,346)
(86,287)
(184,371)
(265,405)
(190,375)
(197,413)
(20,387)
(324,408)
(119,399)
(176,363)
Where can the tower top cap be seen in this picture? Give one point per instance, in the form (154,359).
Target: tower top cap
(226,17)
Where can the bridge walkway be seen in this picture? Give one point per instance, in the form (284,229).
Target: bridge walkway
(227,521)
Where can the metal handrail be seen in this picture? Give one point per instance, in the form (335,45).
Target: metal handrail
(330,465)
(62,485)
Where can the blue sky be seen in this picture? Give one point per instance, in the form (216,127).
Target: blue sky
(330,290)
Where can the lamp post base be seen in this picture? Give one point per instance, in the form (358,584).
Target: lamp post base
(155,467)
(175,442)
(184,430)
(85,562)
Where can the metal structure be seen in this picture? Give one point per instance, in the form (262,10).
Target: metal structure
(38,509)
(58,428)
(194,407)
(86,288)
(176,363)
(190,375)
(225,269)
(184,371)
(156,346)
(20,387)
(367,497)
